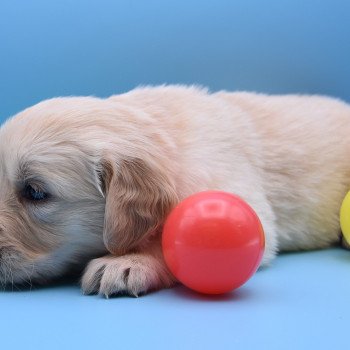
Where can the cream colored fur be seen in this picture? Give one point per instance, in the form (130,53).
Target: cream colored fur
(115,167)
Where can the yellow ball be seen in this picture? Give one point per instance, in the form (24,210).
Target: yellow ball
(345,217)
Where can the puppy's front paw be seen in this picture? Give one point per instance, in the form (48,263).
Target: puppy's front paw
(133,274)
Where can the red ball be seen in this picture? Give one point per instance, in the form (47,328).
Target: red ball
(213,242)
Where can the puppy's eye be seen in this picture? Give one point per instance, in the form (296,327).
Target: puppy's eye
(34,193)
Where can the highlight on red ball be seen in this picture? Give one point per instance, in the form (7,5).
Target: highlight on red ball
(213,242)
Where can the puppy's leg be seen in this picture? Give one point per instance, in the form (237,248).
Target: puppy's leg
(133,274)
(267,219)
(253,193)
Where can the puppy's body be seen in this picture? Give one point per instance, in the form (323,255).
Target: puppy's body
(112,169)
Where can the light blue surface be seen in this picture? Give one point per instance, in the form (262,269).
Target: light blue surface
(301,302)
(51,48)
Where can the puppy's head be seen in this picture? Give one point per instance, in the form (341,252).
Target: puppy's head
(76,180)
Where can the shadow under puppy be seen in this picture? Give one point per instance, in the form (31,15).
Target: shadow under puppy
(89,182)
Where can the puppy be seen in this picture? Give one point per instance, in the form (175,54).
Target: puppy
(88,182)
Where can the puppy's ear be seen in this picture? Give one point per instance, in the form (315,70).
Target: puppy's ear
(138,198)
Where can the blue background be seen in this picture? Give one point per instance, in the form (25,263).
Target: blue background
(53,48)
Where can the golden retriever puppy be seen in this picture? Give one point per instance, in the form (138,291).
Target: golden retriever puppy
(88,182)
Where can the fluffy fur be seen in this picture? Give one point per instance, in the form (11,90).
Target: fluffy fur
(113,169)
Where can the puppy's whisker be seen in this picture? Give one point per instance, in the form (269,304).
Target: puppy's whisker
(10,272)
(29,275)
(6,273)
(2,271)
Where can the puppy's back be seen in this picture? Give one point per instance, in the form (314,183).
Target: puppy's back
(306,152)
